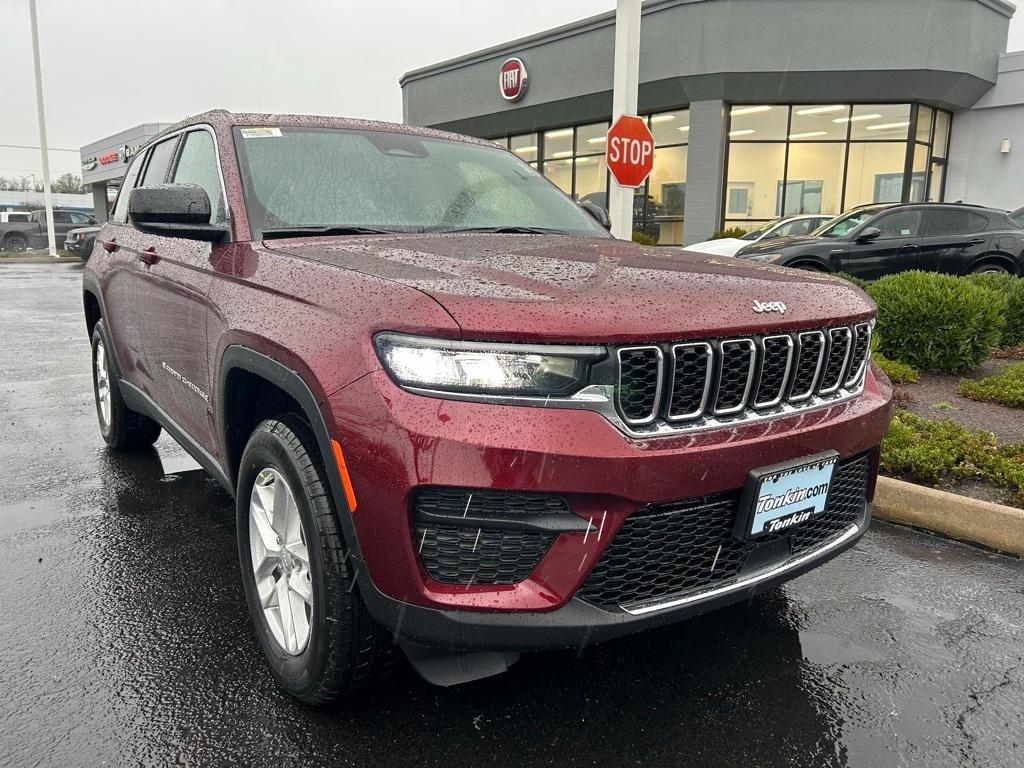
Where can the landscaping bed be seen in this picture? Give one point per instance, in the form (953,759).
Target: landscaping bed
(953,348)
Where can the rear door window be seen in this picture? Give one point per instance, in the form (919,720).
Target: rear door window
(197,164)
(799,227)
(946,222)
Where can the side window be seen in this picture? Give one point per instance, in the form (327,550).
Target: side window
(61,217)
(800,227)
(198,165)
(899,224)
(120,212)
(951,222)
(80,218)
(159,161)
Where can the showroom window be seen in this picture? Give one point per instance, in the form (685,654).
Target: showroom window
(574,158)
(785,160)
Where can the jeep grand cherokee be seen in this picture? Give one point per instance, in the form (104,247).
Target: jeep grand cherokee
(457,417)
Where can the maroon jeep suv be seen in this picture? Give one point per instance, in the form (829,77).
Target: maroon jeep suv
(458,418)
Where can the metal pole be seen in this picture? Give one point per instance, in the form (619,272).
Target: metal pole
(624,95)
(47,196)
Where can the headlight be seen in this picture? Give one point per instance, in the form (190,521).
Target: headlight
(764,256)
(471,367)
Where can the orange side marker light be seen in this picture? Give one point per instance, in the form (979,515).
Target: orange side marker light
(346,481)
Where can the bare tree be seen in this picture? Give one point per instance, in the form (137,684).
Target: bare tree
(67,183)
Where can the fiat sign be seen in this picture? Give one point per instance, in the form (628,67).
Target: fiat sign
(630,151)
(512,80)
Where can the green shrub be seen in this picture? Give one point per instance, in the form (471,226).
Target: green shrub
(898,373)
(644,239)
(936,322)
(733,232)
(931,451)
(1006,387)
(862,284)
(1013,289)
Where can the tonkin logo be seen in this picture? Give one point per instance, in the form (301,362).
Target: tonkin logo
(770,306)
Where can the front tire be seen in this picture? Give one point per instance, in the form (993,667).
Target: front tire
(990,268)
(299,584)
(121,428)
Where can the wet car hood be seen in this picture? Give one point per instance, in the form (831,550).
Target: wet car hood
(588,289)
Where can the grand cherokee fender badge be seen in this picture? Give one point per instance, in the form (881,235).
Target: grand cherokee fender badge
(770,306)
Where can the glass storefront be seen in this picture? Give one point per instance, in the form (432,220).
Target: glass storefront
(574,159)
(782,160)
(785,160)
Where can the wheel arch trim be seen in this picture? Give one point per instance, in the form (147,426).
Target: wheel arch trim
(239,357)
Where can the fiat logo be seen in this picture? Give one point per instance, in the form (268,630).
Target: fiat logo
(512,80)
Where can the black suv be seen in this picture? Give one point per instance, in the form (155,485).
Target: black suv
(876,240)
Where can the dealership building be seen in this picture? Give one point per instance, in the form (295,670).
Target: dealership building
(759,108)
(104,162)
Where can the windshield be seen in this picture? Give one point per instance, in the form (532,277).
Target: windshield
(756,233)
(363,181)
(843,225)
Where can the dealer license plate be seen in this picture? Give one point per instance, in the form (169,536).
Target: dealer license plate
(785,495)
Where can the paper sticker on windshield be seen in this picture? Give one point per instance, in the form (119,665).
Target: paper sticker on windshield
(261,133)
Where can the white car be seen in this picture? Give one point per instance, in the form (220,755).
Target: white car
(791,226)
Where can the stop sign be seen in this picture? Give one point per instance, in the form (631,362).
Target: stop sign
(630,151)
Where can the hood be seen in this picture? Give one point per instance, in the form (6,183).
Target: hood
(781,243)
(90,230)
(575,289)
(725,246)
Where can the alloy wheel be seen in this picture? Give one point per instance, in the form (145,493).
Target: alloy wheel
(280,561)
(102,384)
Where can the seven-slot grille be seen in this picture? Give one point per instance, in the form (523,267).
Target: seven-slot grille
(736,378)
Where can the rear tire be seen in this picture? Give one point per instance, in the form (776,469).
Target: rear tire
(122,428)
(310,620)
(16,244)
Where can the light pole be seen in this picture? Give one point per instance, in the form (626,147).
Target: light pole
(626,82)
(47,196)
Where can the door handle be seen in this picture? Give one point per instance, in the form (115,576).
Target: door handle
(110,245)
(908,247)
(149,255)
(977,241)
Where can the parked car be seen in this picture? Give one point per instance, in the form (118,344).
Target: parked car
(1018,217)
(21,235)
(791,226)
(876,240)
(80,241)
(14,216)
(454,412)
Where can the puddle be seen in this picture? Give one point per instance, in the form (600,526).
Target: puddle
(29,514)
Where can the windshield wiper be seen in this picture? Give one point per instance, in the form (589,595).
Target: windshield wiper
(332,229)
(510,230)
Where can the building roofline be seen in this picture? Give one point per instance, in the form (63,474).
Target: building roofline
(583,26)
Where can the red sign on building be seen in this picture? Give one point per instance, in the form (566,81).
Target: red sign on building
(512,80)
(630,148)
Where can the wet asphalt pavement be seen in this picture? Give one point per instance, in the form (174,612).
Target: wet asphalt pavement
(124,638)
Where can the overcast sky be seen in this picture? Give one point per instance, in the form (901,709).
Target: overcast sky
(112,64)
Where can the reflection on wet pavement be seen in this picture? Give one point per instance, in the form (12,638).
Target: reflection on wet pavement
(124,637)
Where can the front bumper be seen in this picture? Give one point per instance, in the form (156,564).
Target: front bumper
(396,443)
(577,623)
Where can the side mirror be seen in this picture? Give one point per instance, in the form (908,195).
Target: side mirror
(599,214)
(869,234)
(174,210)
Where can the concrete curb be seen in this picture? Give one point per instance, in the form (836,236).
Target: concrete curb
(958,517)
